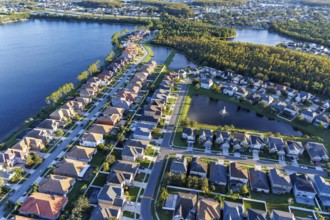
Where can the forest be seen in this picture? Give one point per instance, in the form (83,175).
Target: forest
(218,2)
(299,70)
(312,31)
(172,8)
(99,3)
(316,2)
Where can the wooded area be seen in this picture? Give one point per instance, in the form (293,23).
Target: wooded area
(218,2)
(100,3)
(312,31)
(316,2)
(300,70)
(172,8)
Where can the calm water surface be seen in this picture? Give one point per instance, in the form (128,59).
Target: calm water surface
(207,111)
(160,53)
(260,37)
(38,56)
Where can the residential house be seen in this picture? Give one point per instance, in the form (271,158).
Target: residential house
(292,109)
(254,214)
(186,206)
(238,175)
(257,142)
(323,120)
(218,174)
(303,96)
(62,115)
(143,131)
(233,211)
(87,92)
(245,80)
(111,195)
(222,136)
(198,167)
(278,106)
(7,159)
(206,137)
(229,90)
(91,139)
(119,178)
(308,115)
(256,83)
(72,168)
(73,106)
(153,120)
(28,143)
(111,120)
(253,97)
(189,134)
(56,185)
(317,152)
(43,205)
(281,215)
(126,167)
(49,125)
(152,110)
(179,166)
(236,78)
(81,153)
(279,181)
(84,100)
(266,99)
(106,213)
(240,140)
(100,129)
(241,92)
(206,83)
(208,209)
(42,134)
(113,110)
(132,153)
(258,180)
(322,187)
(276,145)
(137,143)
(294,149)
(303,189)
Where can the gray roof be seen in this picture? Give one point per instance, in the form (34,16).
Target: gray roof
(189,131)
(198,166)
(254,214)
(276,143)
(322,185)
(316,149)
(258,179)
(238,171)
(125,166)
(185,204)
(223,134)
(257,140)
(294,145)
(116,178)
(100,213)
(137,143)
(278,178)
(218,173)
(206,132)
(280,215)
(232,211)
(131,151)
(179,165)
(110,192)
(302,183)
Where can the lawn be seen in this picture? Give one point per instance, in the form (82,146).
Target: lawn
(98,159)
(144,163)
(131,215)
(117,154)
(100,180)
(150,53)
(133,192)
(303,214)
(139,177)
(254,205)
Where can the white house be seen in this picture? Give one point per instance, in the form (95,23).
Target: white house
(91,139)
(206,83)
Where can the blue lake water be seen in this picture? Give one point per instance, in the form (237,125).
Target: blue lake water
(207,111)
(38,56)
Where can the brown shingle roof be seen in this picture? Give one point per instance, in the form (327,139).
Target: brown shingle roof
(81,152)
(56,184)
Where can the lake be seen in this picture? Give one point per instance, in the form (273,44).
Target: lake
(260,37)
(38,56)
(207,111)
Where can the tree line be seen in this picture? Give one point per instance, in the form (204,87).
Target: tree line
(92,69)
(316,2)
(218,2)
(299,70)
(172,8)
(313,31)
(99,3)
(59,93)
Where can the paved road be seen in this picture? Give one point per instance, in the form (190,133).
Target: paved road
(47,162)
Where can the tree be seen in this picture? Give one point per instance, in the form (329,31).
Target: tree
(163,195)
(29,160)
(205,185)
(1,181)
(244,190)
(37,159)
(106,166)
(59,132)
(110,159)
(80,207)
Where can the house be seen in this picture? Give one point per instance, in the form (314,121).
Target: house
(143,131)
(28,143)
(119,178)
(170,202)
(208,209)
(281,215)
(218,174)
(198,167)
(257,142)
(153,120)
(42,134)
(322,187)
(253,214)
(294,149)
(43,205)
(106,213)
(62,115)
(206,137)
(322,120)
(100,129)
(132,153)
(19,217)
(266,99)
(236,78)
(189,134)
(125,167)
(81,153)
(186,206)
(245,80)
(206,83)
(233,211)
(292,109)
(137,143)
(91,139)
(317,152)
(229,90)
(73,106)
(57,185)
(258,180)
(111,195)
(303,96)
(238,175)
(84,100)
(113,110)
(279,181)
(276,145)
(241,92)
(179,166)
(278,106)
(72,168)
(222,136)
(111,120)
(253,97)
(152,110)
(7,159)
(49,125)
(303,189)
(256,83)
(6,175)
(308,115)
(240,140)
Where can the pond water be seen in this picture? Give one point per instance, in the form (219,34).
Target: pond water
(160,53)
(207,111)
(180,61)
(260,37)
(38,56)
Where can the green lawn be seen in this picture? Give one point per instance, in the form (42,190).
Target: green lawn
(144,163)
(304,214)
(150,53)
(117,154)
(131,214)
(254,205)
(133,192)
(98,159)
(139,177)
(100,180)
